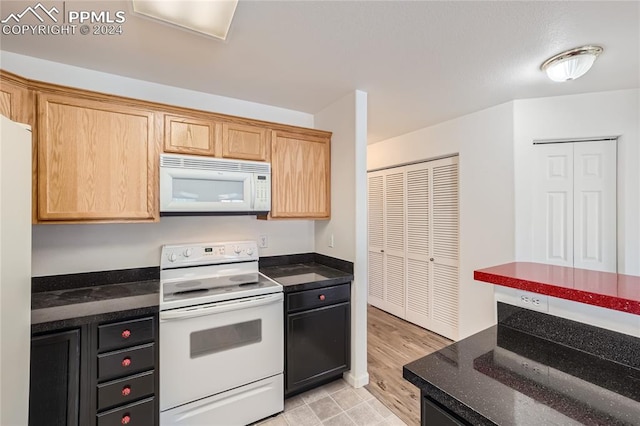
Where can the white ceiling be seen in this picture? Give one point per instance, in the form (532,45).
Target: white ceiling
(421,62)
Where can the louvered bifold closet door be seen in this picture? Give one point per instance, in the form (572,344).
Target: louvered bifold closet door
(376,238)
(419,299)
(445,247)
(394,247)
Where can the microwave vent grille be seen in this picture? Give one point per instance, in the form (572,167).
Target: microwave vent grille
(212,164)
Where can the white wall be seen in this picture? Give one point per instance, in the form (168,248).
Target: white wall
(484,142)
(340,118)
(61,249)
(347,118)
(579,116)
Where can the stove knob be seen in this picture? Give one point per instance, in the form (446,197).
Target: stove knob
(249,251)
(188,252)
(172,257)
(237,249)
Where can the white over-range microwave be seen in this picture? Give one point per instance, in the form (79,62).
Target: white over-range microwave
(192,185)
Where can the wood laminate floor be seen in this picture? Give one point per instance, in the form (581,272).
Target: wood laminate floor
(391,343)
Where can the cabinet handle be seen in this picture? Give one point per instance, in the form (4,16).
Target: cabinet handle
(126,334)
(125,419)
(431,259)
(126,390)
(321,297)
(126,362)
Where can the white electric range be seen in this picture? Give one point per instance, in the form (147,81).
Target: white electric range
(221,336)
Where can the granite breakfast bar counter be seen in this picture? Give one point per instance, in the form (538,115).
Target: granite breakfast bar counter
(506,376)
(536,367)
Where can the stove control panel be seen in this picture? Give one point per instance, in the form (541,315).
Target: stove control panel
(181,255)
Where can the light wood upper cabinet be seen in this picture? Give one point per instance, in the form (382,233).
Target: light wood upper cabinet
(97,160)
(96,156)
(300,176)
(189,135)
(16,102)
(244,142)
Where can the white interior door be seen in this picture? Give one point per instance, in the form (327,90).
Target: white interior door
(375,224)
(414,243)
(553,204)
(394,247)
(444,258)
(594,201)
(575,205)
(419,288)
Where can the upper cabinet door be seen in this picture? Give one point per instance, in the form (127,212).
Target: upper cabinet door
(189,135)
(97,161)
(300,176)
(244,142)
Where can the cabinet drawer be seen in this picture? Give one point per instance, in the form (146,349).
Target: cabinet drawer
(125,333)
(140,413)
(125,390)
(320,297)
(125,362)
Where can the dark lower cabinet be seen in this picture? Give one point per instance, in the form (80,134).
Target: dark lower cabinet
(124,367)
(55,379)
(433,414)
(101,374)
(318,340)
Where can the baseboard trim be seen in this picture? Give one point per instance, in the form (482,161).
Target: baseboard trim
(356,382)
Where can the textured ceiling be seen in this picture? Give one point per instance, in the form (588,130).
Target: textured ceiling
(421,62)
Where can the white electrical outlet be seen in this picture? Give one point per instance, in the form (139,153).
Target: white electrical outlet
(331,241)
(524,299)
(263,241)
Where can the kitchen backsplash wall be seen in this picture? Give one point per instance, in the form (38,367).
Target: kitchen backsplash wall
(64,249)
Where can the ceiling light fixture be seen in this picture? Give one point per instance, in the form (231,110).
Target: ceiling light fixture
(571,64)
(212,18)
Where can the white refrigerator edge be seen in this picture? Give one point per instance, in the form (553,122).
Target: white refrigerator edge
(15,271)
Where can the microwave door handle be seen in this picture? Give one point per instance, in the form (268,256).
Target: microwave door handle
(217,308)
(253,192)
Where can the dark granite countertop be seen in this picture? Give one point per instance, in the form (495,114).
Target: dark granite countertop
(306,276)
(503,376)
(57,309)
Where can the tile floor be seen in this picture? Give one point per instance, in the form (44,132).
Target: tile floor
(334,404)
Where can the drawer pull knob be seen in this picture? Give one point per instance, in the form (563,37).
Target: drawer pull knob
(126,362)
(126,419)
(126,390)
(321,297)
(126,334)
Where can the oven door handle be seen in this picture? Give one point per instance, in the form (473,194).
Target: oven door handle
(220,307)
